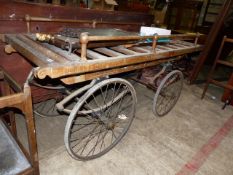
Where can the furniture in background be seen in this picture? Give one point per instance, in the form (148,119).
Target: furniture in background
(213,40)
(212,10)
(217,61)
(104,4)
(183,16)
(16,158)
(227,97)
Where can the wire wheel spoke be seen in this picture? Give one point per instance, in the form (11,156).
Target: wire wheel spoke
(100,119)
(47,108)
(168,93)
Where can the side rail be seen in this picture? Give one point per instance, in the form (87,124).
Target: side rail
(85,39)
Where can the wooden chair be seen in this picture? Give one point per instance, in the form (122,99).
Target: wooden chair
(217,62)
(14,97)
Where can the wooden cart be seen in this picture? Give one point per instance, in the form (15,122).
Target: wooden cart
(102,109)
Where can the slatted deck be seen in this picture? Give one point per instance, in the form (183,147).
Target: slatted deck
(57,63)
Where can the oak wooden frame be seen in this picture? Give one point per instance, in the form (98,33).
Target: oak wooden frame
(83,69)
(16,97)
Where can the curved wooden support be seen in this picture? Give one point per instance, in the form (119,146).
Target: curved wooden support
(9,49)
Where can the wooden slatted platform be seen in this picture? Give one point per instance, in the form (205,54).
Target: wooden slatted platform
(92,63)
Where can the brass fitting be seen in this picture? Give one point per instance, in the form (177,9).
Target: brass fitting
(44,37)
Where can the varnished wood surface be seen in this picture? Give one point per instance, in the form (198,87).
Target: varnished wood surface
(99,61)
(13,13)
(15,97)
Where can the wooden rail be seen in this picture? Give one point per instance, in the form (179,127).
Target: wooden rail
(29,19)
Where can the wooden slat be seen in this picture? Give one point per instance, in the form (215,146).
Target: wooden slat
(10,80)
(186,43)
(58,70)
(139,49)
(94,55)
(40,48)
(123,50)
(163,47)
(108,52)
(226,63)
(28,51)
(227,86)
(230,40)
(172,46)
(11,100)
(93,75)
(159,50)
(63,53)
(149,48)
(180,45)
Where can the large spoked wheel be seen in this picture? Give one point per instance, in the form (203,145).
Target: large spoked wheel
(47,108)
(100,119)
(47,105)
(168,93)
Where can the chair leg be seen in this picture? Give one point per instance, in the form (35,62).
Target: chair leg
(27,109)
(10,115)
(205,89)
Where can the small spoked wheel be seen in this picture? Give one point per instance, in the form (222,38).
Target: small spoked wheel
(100,119)
(168,93)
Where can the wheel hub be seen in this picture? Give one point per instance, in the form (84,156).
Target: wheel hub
(110,125)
